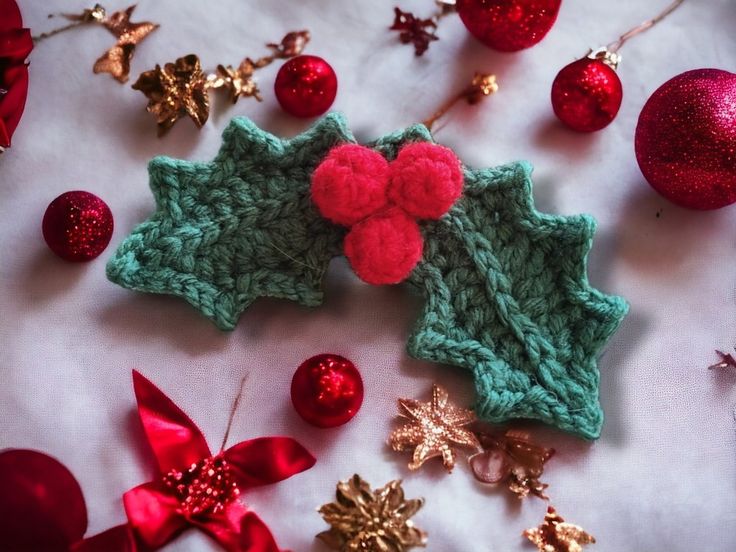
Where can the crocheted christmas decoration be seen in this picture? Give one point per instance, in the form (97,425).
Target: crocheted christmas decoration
(355,186)
(506,291)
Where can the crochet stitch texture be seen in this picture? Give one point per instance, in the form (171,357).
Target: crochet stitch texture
(505,287)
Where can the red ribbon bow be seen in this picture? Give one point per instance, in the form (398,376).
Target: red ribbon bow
(198,489)
(15,45)
(42,508)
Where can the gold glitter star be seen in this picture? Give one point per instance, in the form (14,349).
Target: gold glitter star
(237,82)
(116,60)
(179,89)
(433,428)
(364,520)
(554,535)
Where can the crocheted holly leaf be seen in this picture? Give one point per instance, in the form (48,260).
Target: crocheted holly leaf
(507,297)
(237,228)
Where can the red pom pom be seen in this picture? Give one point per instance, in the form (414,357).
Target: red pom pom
(384,248)
(350,184)
(425,180)
(327,390)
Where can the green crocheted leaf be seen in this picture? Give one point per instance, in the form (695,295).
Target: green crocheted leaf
(507,297)
(237,228)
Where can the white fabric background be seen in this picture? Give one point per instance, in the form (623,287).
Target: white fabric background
(662,476)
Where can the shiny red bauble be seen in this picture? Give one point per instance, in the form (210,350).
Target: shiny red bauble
(327,390)
(77,226)
(587,94)
(508,25)
(686,139)
(306,86)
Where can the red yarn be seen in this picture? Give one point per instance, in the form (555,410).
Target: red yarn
(350,184)
(425,180)
(384,248)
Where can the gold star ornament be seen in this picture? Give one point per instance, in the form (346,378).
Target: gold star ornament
(116,60)
(555,535)
(177,90)
(434,428)
(366,520)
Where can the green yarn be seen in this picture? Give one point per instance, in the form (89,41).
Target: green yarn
(507,297)
(240,227)
(505,287)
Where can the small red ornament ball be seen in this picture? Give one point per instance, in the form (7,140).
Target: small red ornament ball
(77,226)
(306,86)
(508,25)
(686,139)
(327,390)
(586,95)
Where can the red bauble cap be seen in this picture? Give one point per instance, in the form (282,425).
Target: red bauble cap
(77,226)
(508,25)
(686,139)
(587,94)
(327,390)
(306,86)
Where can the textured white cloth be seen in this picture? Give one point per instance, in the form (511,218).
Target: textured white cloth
(663,475)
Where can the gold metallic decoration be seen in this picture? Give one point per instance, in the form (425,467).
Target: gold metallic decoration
(727,361)
(240,83)
(435,428)
(555,535)
(365,520)
(179,89)
(513,458)
(116,60)
(481,86)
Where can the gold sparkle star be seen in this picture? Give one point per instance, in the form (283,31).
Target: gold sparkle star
(362,519)
(555,535)
(116,60)
(179,89)
(434,429)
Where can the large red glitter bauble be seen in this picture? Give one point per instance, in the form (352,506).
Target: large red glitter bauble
(306,86)
(327,390)
(508,25)
(586,94)
(686,139)
(77,226)
(41,503)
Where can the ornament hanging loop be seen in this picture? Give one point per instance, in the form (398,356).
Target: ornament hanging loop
(609,57)
(96,14)
(645,26)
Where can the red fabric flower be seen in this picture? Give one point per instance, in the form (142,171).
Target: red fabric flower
(15,45)
(354,186)
(198,489)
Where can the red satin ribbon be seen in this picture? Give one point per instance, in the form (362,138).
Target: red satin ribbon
(154,511)
(15,45)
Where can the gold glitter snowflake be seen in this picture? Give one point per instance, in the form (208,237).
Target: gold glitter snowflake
(434,429)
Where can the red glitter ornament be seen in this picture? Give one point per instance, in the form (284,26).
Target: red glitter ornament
(306,86)
(587,94)
(508,25)
(77,226)
(686,139)
(327,390)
